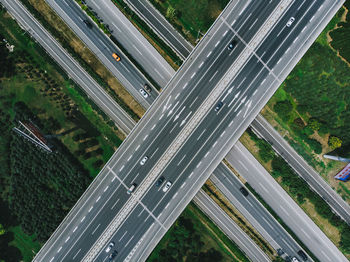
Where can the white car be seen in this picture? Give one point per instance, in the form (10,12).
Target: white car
(294,259)
(109,247)
(290,22)
(143,161)
(167,186)
(144,93)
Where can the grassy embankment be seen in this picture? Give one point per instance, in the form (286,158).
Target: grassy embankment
(194,237)
(310,109)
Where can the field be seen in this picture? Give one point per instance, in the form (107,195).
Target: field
(311,107)
(193,17)
(83,138)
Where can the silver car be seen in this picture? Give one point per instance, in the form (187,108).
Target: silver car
(290,21)
(167,186)
(143,160)
(144,93)
(110,245)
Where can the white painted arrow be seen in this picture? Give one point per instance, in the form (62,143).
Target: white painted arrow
(234,99)
(172,110)
(184,121)
(248,105)
(228,92)
(166,104)
(178,115)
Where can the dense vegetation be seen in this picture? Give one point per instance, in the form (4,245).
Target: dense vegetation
(301,191)
(340,36)
(191,18)
(189,240)
(37,189)
(44,186)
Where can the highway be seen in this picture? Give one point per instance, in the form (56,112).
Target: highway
(161,26)
(231,229)
(124,70)
(243,237)
(285,207)
(315,180)
(226,181)
(68,64)
(133,41)
(174,39)
(167,121)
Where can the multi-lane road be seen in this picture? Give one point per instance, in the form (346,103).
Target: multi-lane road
(285,207)
(160,25)
(231,229)
(67,62)
(254,212)
(124,70)
(168,117)
(315,180)
(176,41)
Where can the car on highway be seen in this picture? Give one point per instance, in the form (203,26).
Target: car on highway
(88,24)
(113,255)
(232,45)
(218,106)
(109,247)
(167,186)
(302,255)
(116,57)
(294,259)
(144,93)
(290,21)
(147,88)
(143,160)
(160,181)
(131,189)
(244,191)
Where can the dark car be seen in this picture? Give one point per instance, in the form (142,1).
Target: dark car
(302,255)
(280,252)
(113,255)
(218,106)
(232,45)
(147,88)
(244,191)
(88,24)
(160,181)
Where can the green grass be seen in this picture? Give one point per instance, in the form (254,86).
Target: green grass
(193,16)
(26,244)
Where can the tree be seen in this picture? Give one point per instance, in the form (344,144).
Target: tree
(334,142)
(171,13)
(314,124)
(2,230)
(283,109)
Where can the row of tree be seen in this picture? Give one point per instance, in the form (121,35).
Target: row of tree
(44,186)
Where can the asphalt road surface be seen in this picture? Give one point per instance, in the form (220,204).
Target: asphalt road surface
(227,182)
(133,41)
(315,180)
(161,26)
(105,204)
(285,207)
(124,70)
(231,229)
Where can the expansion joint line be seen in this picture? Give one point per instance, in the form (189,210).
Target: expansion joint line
(182,137)
(265,29)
